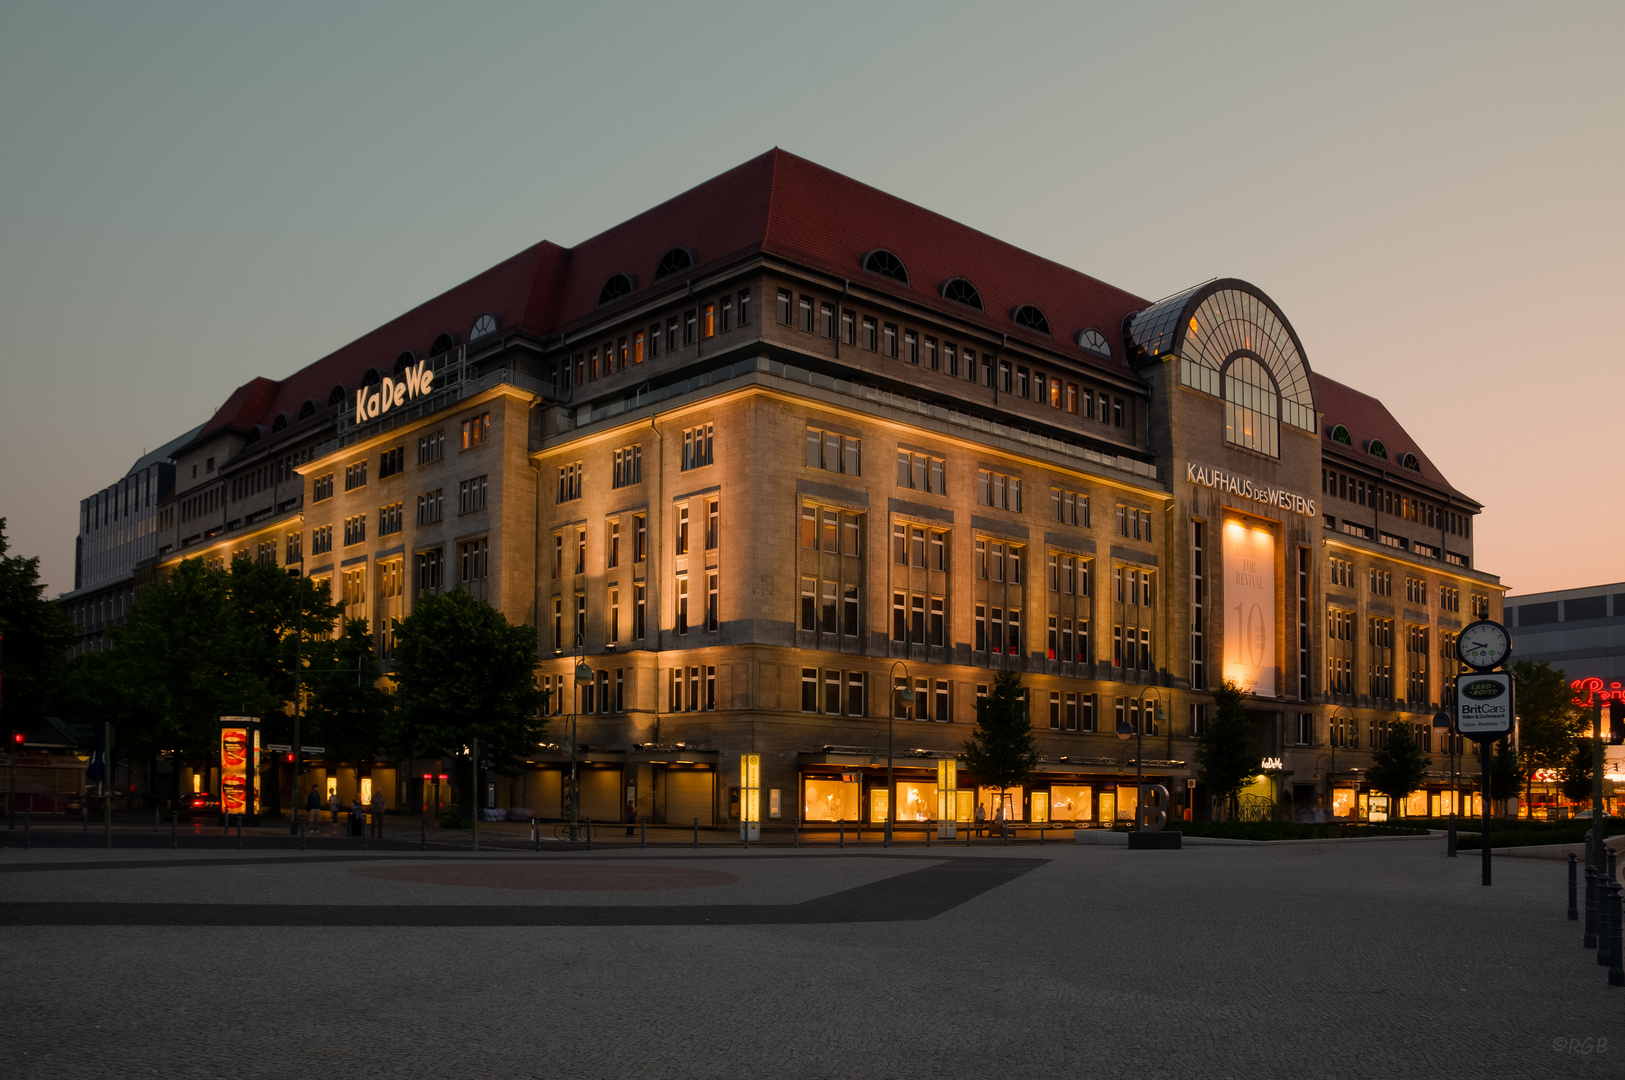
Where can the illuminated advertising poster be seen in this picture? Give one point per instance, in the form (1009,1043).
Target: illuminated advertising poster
(234,770)
(1249,608)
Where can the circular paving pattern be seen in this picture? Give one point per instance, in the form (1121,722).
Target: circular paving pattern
(557,877)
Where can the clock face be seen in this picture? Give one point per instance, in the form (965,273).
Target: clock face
(1483,645)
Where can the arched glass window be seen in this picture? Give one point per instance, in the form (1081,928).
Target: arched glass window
(617,286)
(1340,434)
(308,409)
(1094,341)
(337,395)
(1252,408)
(882,262)
(443,343)
(674,261)
(1029,316)
(963,292)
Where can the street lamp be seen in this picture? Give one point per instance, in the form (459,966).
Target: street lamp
(583,678)
(1124,730)
(1441,721)
(907,698)
(1331,738)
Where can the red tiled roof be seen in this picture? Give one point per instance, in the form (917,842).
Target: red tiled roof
(1367,418)
(777,203)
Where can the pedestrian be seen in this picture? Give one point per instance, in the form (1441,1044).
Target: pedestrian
(358,818)
(333,807)
(378,812)
(631,816)
(981,818)
(313,810)
(998,819)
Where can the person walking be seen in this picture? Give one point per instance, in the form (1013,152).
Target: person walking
(981,818)
(358,818)
(333,808)
(631,816)
(313,810)
(998,819)
(378,812)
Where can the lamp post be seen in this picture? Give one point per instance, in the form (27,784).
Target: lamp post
(1441,722)
(907,698)
(1331,769)
(1124,730)
(583,678)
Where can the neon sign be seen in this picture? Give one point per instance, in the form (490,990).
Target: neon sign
(414,383)
(1590,691)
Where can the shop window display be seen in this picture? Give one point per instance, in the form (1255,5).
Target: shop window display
(916,801)
(988,799)
(1128,799)
(1071,803)
(832,800)
(1342,802)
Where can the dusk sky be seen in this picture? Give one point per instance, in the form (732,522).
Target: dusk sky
(194,195)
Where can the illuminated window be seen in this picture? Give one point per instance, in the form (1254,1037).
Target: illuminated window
(1251,407)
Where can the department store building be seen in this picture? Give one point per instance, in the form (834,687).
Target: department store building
(771,451)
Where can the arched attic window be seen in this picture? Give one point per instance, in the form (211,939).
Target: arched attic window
(617,286)
(883,262)
(1411,461)
(1094,341)
(443,344)
(485,324)
(309,408)
(1252,407)
(282,421)
(1340,434)
(405,360)
(1031,318)
(1375,448)
(257,432)
(961,291)
(674,261)
(337,395)
(373,377)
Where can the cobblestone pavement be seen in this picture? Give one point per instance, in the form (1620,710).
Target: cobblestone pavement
(1375,959)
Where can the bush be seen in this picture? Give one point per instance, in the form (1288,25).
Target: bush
(1519,833)
(1283,830)
(455,819)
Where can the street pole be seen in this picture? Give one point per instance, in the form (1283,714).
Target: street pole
(1599,853)
(107,786)
(583,676)
(1484,780)
(298,686)
(474,781)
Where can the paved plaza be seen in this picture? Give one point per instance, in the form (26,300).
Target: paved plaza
(1335,959)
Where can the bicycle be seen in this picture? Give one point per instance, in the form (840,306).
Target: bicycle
(584,830)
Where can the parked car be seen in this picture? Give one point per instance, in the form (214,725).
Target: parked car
(1585,815)
(201,802)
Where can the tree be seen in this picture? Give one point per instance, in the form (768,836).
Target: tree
(1002,752)
(37,638)
(349,711)
(1506,778)
(1398,767)
(464,672)
(1576,772)
(1548,720)
(1225,762)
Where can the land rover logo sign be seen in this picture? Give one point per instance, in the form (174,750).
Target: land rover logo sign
(1484,705)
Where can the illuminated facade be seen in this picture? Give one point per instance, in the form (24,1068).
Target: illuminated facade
(773,450)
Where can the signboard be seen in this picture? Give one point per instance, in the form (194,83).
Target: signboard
(750,794)
(235,764)
(415,382)
(1258,491)
(1484,705)
(313,749)
(278,748)
(1249,608)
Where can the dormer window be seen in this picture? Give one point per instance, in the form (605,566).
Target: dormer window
(1030,318)
(674,261)
(883,262)
(1094,341)
(308,409)
(1411,461)
(961,291)
(617,286)
(337,395)
(404,361)
(485,324)
(373,377)
(1375,448)
(1340,434)
(443,344)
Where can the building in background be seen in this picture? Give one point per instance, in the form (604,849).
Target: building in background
(769,454)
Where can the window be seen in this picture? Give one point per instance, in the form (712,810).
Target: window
(1069,507)
(849,329)
(355,529)
(431,447)
(321,540)
(713,521)
(431,570)
(1382,582)
(640,604)
(1198,605)
(962,292)
(786,299)
(612,627)
(581,550)
(671,334)
(321,489)
(471,495)
(1416,590)
(294,550)
(830,588)
(355,593)
(1133,523)
(871,333)
(1198,719)
(1306,729)
(1417,651)
(355,476)
(726,313)
(680,534)
(628,466)
(471,557)
(911,347)
(921,472)
(558,624)
(1380,665)
(804,313)
(1341,572)
(680,608)
(690,325)
(696,447)
(391,462)
(930,352)
(637,347)
(834,452)
(882,262)
(1481,606)
(389,519)
(1449,598)
(654,341)
(581,618)
(744,307)
(998,489)
(430,506)
(826,319)
(809,690)
(612,543)
(476,430)
(569,482)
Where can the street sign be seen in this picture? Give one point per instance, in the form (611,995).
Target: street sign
(313,749)
(277,748)
(1484,705)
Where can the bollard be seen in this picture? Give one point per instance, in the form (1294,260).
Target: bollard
(795,833)
(967,834)
(928,836)
(239,832)
(363,832)
(696,832)
(155,819)
(842,842)
(84,815)
(28,819)
(174,829)
(1041,836)
(299,827)
(589,832)
(643,832)
(1616,941)
(1605,913)
(1590,939)
(536,833)
(1574,877)
(423,842)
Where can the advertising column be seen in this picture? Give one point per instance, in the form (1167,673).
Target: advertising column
(239,763)
(1249,607)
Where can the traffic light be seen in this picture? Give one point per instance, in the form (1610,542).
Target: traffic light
(289,756)
(16,738)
